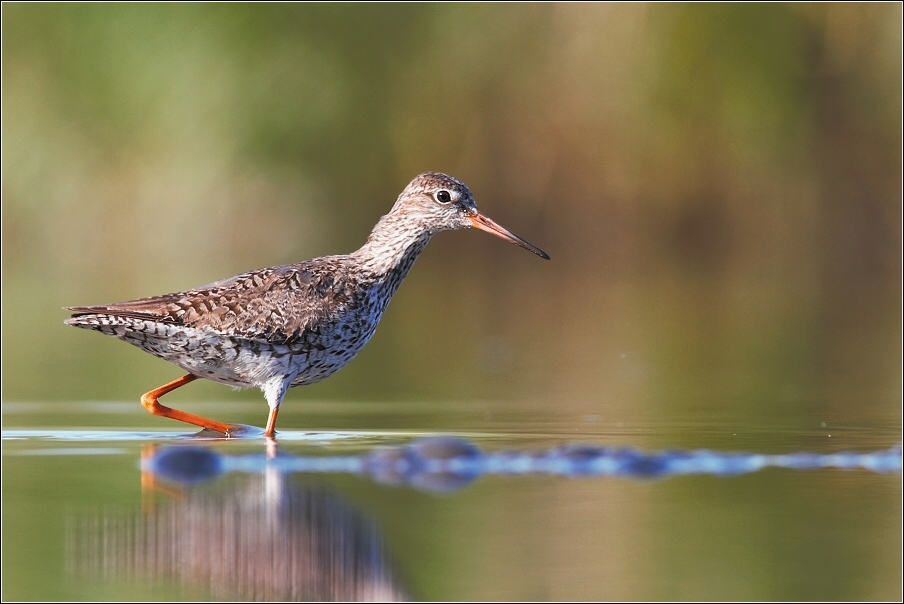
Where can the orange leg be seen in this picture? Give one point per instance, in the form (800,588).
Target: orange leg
(150,402)
(149,482)
(270,432)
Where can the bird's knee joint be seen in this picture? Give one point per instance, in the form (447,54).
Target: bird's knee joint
(150,403)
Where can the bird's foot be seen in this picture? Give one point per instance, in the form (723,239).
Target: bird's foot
(234,431)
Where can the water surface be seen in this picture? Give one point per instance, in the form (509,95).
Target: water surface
(84,518)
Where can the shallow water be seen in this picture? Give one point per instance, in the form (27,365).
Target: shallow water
(89,514)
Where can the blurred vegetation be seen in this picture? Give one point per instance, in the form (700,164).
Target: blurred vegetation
(719,187)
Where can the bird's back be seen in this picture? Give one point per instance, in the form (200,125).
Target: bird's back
(240,331)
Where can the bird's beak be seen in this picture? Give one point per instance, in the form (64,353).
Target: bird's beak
(479,221)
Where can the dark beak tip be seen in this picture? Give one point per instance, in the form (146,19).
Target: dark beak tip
(534,249)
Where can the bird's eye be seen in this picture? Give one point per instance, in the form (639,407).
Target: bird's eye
(442,196)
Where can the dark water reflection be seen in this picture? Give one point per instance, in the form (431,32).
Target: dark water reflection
(528,508)
(260,537)
(243,526)
(450,463)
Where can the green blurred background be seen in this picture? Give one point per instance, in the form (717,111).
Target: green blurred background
(719,187)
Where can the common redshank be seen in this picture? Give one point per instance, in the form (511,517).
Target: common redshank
(284,326)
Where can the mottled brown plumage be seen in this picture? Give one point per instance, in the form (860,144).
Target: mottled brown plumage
(276,304)
(285,326)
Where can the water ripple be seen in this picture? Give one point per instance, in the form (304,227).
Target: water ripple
(450,463)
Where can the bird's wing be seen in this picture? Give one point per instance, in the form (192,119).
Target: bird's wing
(276,304)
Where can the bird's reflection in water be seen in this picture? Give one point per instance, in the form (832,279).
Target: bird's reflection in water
(262,538)
(250,534)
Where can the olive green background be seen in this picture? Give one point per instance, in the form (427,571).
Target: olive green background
(718,186)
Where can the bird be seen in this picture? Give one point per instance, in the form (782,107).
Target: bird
(285,326)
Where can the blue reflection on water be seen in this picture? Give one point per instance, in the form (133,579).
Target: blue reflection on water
(449,463)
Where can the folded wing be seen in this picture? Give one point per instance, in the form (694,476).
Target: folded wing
(276,304)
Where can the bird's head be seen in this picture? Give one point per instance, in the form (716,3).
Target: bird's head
(442,203)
